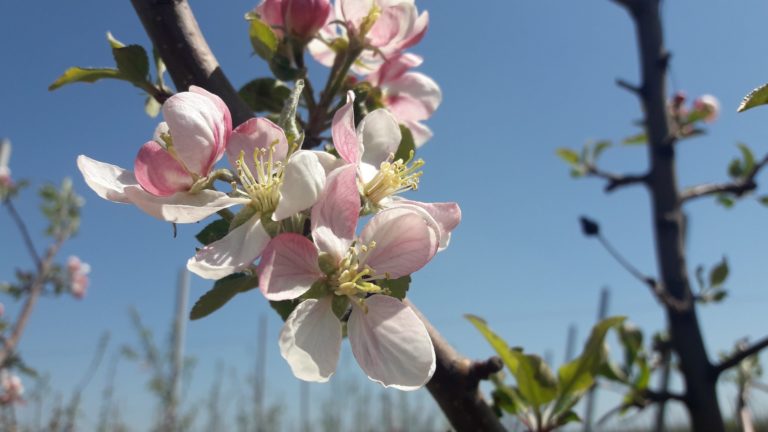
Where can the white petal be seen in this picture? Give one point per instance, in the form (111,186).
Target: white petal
(328,161)
(391,343)
(182,207)
(303,181)
(311,340)
(108,181)
(380,135)
(233,253)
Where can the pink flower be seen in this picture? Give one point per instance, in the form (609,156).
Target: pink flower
(410,96)
(11,386)
(275,184)
(5,157)
(183,152)
(301,18)
(78,276)
(370,148)
(386,27)
(709,106)
(388,340)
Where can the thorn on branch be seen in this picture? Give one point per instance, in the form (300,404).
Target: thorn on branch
(483,369)
(615,181)
(634,89)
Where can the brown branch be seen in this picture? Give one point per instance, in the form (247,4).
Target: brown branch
(615,181)
(738,187)
(738,357)
(177,37)
(455,385)
(24,233)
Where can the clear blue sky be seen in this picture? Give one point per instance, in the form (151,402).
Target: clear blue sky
(520,79)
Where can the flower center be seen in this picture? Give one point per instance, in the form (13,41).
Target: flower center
(393,178)
(353,279)
(263,183)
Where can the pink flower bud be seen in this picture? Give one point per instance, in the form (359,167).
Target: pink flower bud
(5,156)
(78,276)
(709,106)
(303,18)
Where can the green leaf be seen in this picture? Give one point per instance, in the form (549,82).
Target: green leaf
(284,307)
(505,399)
(599,148)
(725,201)
(535,381)
(114,43)
(215,230)
(756,97)
(132,62)
(735,170)
(282,68)
(265,94)
(152,107)
(631,337)
(222,292)
(263,38)
(397,287)
(407,144)
(637,139)
(567,417)
(577,376)
(718,274)
(89,75)
(748,157)
(763,200)
(568,155)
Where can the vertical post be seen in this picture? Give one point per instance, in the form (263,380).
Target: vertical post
(666,371)
(259,382)
(177,356)
(602,312)
(304,406)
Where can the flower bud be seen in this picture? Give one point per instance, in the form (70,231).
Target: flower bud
(5,156)
(709,106)
(303,18)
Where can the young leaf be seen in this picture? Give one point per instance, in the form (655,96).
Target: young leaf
(263,38)
(568,155)
(89,75)
(636,139)
(718,274)
(748,157)
(132,62)
(222,292)
(599,148)
(265,94)
(725,201)
(407,144)
(756,97)
(215,230)
(397,287)
(284,307)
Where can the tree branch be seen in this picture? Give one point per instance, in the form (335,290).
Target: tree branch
(455,385)
(738,357)
(738,187)
(615,181)
(24,233)
(175,33)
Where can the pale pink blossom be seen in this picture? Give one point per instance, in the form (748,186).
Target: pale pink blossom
(78,276)
(167,169)
(388,340)
(5,170)
(410,96)
(274,182)
(11,386)
(370,148)
(300,18)
(385,27)
(709,106)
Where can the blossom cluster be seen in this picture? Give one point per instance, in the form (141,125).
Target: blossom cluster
(12,388)
(77,272)
(298,211)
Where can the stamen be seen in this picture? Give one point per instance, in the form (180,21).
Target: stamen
(394,178)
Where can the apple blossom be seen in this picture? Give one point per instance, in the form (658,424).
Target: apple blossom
(383,27)
(78,276)
(300,18)
(410,96)
(275,183)
(388,340)
(5,157)
(709,106)
(12,388)
(172,169)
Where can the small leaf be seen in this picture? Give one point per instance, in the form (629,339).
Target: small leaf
(735,170)
(222,292)
(700,276)
(631,337)
(397,287)
(568,155)
(132,62)
(748,158)
(215,230)
(719,295)
(263,38)
(567,417)
(637,139)
(284,307)
(725,201)
(407,144)
(282,68)
(265,94)
(756,97)
(89,75)
(599,148)
(763,200)
(505,399)
(718,274)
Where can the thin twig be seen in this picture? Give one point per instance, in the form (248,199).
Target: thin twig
(615,181)
(738,357)
(629,87)
(737,187)
(24,233)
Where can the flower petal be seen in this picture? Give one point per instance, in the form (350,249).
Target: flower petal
(355,11)
(310,340)
(235,252)
(391,343)
(335,215)
(182,207)
(108,181)
(328,161)
(380,135)
(446,214)
(303,180)
(256,133)
(343,131)
(421,133)
(405,240)
(158,172)
(413,96)
(417,32)
(288,267)
(222,129)
(394,68)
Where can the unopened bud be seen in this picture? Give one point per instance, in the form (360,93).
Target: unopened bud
(709,106)
(303,18)
(5,157)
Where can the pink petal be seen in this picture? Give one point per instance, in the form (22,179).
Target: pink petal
(380,135)
(417,32)
(256,133)
(223,128)
(355,11)
(158,172)
(310,340)
(233,253)
(335,215)
(405,242)
(446,214)
(303,181)
(386,28)
(288,267)
(391,343)
(394,68)
(413,96)
(343,131)
(182,207)
(108,181)
(421,133)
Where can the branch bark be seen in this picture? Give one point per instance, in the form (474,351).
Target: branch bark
(738,187)
(615,181)
(737,358)
(176,34)
(668,220)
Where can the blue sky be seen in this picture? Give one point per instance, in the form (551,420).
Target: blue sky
(520,79)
